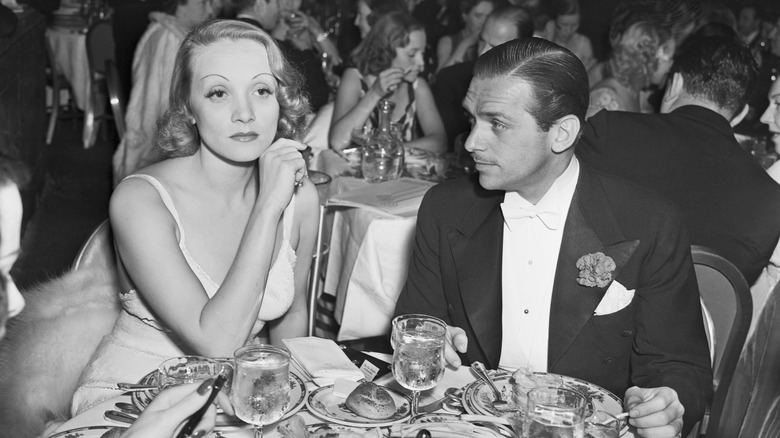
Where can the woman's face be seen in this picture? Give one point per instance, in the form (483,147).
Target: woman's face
(194,12)
(233,99)
(361,19)
(476,17)
(10,232)
(410,57)
(566,26)
(772,114)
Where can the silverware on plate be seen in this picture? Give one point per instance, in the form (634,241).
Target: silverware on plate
(479,369)
(134,387)
(120,417)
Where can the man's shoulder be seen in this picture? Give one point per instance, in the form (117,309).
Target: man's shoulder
(630,198)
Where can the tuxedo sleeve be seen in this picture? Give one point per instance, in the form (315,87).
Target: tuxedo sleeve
(670,347)
(423,291)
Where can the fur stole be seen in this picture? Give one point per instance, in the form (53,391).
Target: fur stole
(49,344)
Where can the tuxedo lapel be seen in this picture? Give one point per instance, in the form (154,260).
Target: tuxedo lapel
(476,249)
(590,227)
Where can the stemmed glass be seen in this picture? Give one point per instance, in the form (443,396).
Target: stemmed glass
(261,385)
(418,360)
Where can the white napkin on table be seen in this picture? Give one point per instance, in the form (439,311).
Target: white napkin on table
(323,359)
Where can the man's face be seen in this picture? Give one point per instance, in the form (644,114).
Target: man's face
(267,13)
(748,22)
(509,150)
(494,33)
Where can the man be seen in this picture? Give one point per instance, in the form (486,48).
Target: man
(515,258)
(689,154)
(502,25)
(266,14)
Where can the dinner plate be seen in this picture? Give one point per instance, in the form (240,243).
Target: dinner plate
(324,405)
(84,432)
(478,397)
(141,400)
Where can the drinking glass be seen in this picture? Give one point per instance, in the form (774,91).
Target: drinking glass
(418,359)
(261,385)
(186,369)
(554,412)
(602,425)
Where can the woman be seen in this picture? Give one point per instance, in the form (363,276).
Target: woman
(152,67)
(771,118)
(13,175)
(562,30)
(207,240)
(386,65)
(370,11)
(462,46)
(630,69)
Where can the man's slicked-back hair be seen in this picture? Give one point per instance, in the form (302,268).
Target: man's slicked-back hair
(718,69)
(558,80)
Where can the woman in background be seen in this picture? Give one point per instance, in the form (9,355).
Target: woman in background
(562,30)
(370,11)
(462,45)
(207,240)
(386,65)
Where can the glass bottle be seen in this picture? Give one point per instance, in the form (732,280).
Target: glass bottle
(383,153)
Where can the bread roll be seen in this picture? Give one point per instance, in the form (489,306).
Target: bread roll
(370,400)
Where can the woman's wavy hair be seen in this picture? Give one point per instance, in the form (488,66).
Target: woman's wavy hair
(177,136)
(377,51)
(635,57)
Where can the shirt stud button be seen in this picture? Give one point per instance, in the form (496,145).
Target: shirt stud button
(525,311)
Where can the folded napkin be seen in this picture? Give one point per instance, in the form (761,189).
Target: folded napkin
(616,298)
(323,360)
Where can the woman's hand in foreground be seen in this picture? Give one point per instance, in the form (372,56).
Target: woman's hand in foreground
(171,408)
(281,167)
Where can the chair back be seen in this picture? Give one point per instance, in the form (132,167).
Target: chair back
(726,295)
(100,46)
(116,97)
(98,249)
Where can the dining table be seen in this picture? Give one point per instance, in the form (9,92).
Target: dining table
(461,377)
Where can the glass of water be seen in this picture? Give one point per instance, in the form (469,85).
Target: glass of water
(418,359)
(261,385)
(554,412)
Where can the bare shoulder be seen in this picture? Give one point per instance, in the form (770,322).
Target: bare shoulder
(136,203)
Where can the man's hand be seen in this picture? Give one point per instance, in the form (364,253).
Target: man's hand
(656,412)
(456,342)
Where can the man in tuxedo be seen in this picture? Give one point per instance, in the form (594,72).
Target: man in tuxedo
(539,261)
(689,154)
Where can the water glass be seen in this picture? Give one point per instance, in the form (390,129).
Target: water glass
(418,359)
(261,385)
(554,412)
(186,369)
(602,425)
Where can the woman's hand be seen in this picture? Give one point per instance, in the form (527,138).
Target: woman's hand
(171,408)
(281,168)
(387,81)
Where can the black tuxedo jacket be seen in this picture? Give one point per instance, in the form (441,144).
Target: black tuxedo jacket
(657,340)
(690,156)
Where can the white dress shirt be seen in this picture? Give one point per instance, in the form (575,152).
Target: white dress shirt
(532,241)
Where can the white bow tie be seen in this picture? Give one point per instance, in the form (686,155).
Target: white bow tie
(551,219)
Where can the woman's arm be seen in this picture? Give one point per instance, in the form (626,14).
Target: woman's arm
(457,54)
(434,137)
(443,51)
(295,321)
(146,239)
(350,110)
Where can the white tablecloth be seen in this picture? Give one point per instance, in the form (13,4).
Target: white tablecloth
(70,54)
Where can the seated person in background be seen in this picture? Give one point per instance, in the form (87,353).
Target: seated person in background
(771,118)
(689,154)
(629,70)
(562,30)
(386,65)
(207,240)
(539,261)
(502,25)
(370,11)
(267,15)
(152,69)
(462,45)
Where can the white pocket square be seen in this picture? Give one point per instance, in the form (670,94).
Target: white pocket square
(617,297)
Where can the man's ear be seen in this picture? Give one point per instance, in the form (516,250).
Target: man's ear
(565,133)
(739,116)
(673,91)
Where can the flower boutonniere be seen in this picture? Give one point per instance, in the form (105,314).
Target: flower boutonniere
(595,269)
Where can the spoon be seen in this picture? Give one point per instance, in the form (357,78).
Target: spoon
(127,408)
(499,402)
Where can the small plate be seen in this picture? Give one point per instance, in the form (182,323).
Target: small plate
(478,397)
(323,404)
(84,432)
(298,392)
